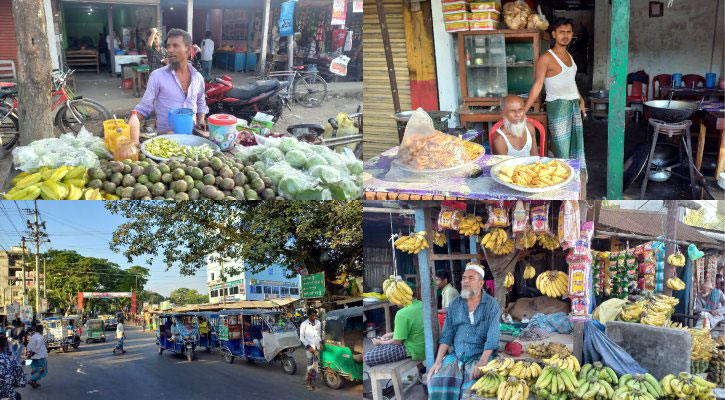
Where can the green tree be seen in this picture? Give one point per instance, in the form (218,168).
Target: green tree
(320,236)
(67,274)
(698,218)
(183,296)
(147,296)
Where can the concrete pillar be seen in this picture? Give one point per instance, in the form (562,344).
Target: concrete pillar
(50,28)
(602,27)
(190,16)
(109,11)
(445,58)
(265,30)
(158,16)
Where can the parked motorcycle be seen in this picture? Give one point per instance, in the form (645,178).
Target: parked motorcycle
(246,100)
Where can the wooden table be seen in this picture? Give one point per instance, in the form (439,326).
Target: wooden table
(685,91)
(140,78)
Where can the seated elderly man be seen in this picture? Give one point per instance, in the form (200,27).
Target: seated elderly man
(471,327)
(516,138)
(710,304)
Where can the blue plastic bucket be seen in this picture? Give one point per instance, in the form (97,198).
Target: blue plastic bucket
(710,80)
(181,120)
(676,80)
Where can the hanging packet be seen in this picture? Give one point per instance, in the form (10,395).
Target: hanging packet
(498,216)
(568,225)
(540,218)
(520,217)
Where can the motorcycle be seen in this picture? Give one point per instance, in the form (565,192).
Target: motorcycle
(245,101)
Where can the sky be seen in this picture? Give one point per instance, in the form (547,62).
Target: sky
(87,228)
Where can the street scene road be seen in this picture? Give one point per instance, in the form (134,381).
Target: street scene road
(93,372)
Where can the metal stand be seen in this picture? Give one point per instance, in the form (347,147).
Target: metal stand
(670,129)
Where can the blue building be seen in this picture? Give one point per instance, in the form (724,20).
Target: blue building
(269,283)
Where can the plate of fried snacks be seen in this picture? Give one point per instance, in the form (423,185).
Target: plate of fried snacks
(436,152)
(532,174)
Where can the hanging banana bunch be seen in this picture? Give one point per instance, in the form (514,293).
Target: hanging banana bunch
(676,259)
(412,244)
(526,240)
(497,241)
(470,225)
(529,271)
(397,291)
(439,239)
(548,241)
(675,283)
(509,280)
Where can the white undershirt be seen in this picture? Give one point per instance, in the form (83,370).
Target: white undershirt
(470,316)
(562,86)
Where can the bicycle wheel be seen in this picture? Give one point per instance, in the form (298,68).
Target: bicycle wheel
(82,112)
(310,90)
(9,128)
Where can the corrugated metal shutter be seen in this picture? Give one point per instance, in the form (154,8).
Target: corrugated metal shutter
(380,128)
(8,45)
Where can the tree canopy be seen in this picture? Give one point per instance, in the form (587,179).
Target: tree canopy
(320,236)
(183,296)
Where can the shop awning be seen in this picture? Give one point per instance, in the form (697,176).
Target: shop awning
(283,302)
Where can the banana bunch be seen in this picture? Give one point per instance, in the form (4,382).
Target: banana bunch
(699,366)
(529,271)
(526,240)
(439,239)
(553,283)
(509,280)
(717,368)
(593,388)
(653,318)
(374,295)
(526,370)
(546,350)
(412,244)
(499,365)
(638,386)
(548,241)
(555,381)
(674,325)
(513,389)
(676,259)
(497,241)
(471,226)
(62,183)
(686,386)
(675,283)
(397,291)
(702,344)
(567,361)
(631,312)
(487,385)
(598,371)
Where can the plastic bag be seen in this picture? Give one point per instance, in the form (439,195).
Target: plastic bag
(540,218)
(598,347)
(520,218)
(424,148)
(583,246)
(498,216)
(609,310)
(568,225)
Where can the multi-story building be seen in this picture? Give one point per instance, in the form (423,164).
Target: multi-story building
(267,284)
(11,275)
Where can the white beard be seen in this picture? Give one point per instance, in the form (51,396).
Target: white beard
(517,129)
(468,293)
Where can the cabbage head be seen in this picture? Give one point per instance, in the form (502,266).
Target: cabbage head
(296,158)
(327,174)
(273,153)
(314,161)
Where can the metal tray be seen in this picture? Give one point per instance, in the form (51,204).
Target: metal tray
(526,161)
(188,140)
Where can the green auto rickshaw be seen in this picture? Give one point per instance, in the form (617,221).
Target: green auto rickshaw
(342,353)
(95,331)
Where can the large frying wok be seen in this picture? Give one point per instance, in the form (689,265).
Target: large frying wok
(670,111)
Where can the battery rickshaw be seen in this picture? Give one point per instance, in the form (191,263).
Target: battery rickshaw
(341,356)
(94,331)
(259,336)
(210,341)
(185,341)
(73,331)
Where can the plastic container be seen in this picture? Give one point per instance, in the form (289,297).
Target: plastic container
(124,150)
(677,80)
(181,120)
(223,130)
(110,133)
(710,81)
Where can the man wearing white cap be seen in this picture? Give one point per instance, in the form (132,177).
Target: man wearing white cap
(471,327)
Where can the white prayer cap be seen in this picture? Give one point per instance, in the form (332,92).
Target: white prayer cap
(476,268)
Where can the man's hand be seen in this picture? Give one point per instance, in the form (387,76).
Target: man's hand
(387,336)
(582,107)
(436,366)
(376,342)
(201,124)
(476,373)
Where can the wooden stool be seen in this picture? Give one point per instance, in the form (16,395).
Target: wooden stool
(391,371)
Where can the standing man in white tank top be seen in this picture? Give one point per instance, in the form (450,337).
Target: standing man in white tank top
(556,71)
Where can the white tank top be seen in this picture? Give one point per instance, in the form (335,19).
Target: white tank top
(563,85)
(524,152)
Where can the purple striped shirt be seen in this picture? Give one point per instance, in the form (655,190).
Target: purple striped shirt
(164,93)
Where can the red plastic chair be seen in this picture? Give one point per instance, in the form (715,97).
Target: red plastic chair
(537,125)
(657,82)
(693,80)
(635,94)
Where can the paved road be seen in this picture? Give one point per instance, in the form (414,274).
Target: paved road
(92,372)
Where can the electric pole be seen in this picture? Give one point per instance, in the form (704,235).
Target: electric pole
(671,246)
(45,280)
(224,284)
(25,292)
(40,237)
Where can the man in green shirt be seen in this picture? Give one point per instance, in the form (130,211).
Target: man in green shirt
(448,292)
(406,340)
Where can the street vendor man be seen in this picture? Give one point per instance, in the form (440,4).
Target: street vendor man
(177,85)
(472,329)
(406,340)
(515,137)
(448,292)
(710,305)
(565,109)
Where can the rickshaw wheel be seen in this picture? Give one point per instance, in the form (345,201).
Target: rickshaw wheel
(190,355)
(289,365)
(76,344)
(228,358)
(250,360)
(332,380)
(64,348)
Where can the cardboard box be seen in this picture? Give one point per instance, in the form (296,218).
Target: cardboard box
(460,26)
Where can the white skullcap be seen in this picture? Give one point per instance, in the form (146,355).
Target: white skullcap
(476,268)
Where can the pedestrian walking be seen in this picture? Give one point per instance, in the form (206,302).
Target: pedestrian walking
(311,337)
(120,335)
(11,373)
(38,353)
(207,54)
(16,337)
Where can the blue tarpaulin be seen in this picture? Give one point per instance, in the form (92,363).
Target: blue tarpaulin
(598,347)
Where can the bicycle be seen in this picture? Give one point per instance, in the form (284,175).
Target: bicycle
(73,112)
(308,88)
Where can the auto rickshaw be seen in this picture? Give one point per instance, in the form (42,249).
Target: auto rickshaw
(259,336)
(73,331)
(187,339)
(54,332)
(212,319)
(342,353)
(95,331)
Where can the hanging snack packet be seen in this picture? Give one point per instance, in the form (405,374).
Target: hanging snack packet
(520,217)
(568,223)
(498,216)
(449,218)
(540,218)
(583,245)
(578,282)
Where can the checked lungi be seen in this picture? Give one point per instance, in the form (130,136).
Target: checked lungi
(566,130)
(452,379)
(383,354)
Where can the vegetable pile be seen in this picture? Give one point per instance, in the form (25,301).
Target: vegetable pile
(303,171)
(166,148)
(83,149)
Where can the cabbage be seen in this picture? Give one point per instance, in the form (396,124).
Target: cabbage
(288,143)
(296,158)
(355,167)
(346,190)
(278,171)
(260,166)
(315,160)
(326,174)
(290,186)
(273,153)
